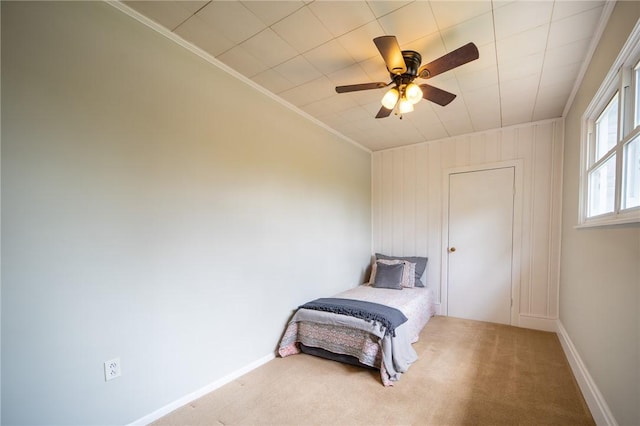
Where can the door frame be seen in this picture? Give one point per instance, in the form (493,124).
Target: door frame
(516,251)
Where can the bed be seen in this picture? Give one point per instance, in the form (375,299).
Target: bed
(367,340)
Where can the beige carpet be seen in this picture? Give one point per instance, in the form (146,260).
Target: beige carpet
(468,373)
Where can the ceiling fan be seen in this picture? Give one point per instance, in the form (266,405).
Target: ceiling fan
(404,67)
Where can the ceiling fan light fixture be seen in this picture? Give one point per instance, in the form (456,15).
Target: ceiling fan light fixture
(405,106)
(390,98)
(413,93)
(404,66)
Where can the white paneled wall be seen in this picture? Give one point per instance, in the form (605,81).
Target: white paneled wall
(408,195)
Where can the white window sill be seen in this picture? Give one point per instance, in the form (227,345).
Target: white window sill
(611,220)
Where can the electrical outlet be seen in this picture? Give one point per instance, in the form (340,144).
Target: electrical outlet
(112,369)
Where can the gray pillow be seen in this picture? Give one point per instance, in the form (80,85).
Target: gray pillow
(421,264)
(389,276)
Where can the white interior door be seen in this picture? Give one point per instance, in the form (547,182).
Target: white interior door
(481,245)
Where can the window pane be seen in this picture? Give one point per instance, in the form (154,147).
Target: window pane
(631,173)
(637,95)
(607,129)
(602,188)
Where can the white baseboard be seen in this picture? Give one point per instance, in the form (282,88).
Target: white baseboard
(538,323)
(201,392)
(437,310)
(597,405)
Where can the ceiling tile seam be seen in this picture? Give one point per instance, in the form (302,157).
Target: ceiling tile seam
(279,36)
(394,11)
(335,38)
(276,22)
(436,21)
(466,107)
(273,68)
(391,11)
(371,10)
(581,11)
(238,43)
(319,21)
(458,23)
(293,84)
(270,27)
(526,29)
(495,49)
(457,82)
(337,41)
(266,27)
(191,16)
(350,55)
(544,57)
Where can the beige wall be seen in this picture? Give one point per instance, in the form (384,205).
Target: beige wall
(600,268)
(409,215)
(155,209)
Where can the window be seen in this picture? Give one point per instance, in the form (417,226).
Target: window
(631,182)
(637,104)
(610,183)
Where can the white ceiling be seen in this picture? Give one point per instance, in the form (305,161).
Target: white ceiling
(531,55)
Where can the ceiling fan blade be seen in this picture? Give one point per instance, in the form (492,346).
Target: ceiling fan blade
(451,60)
(391,53)
(438,96)
(363,86)
(384,112)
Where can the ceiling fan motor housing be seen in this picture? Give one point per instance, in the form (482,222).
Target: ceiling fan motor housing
(413,60)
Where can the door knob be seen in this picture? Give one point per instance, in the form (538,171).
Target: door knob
(452,249)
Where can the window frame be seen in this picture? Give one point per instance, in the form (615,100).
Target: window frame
(622,81)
